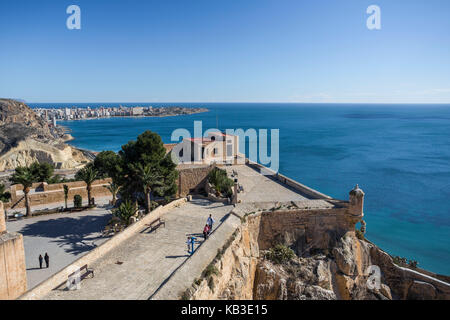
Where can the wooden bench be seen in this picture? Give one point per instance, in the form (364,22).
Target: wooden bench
(87,271)
(155,224)
(83,274)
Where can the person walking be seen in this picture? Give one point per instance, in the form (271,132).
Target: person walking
(210,222)
(47,260)
(206,231)
(40,261)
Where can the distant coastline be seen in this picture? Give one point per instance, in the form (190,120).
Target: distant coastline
(64,113)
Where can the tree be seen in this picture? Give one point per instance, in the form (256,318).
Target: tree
(25,177)
(149,178)
(113,188)
(88,174)
(108,164)
(5,196)
(66,193)
(147,150)
(43,172)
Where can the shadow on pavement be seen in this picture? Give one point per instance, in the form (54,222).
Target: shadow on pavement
(76,235)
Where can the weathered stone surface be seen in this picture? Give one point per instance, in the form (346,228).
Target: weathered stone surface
(339,271)
(13,279)
(26,138)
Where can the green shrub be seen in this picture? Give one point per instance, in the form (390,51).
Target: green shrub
(399,261)
(77,201)
(219,179)
(186,295)
(5,196)
(412,264)
(125,211)
(210,270)
(359,235)
(211,283)
(280,254)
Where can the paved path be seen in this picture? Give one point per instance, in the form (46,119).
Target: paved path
(261,188)
(136,268)
(64,236)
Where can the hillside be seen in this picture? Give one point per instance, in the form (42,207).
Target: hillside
(25,138)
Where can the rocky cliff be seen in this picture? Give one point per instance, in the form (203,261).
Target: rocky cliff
(25,138)
(342,270)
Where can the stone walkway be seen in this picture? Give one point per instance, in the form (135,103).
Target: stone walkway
(64,236)
(260,188)
(137,268)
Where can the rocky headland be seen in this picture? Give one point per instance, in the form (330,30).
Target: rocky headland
(292,253)
(25,138)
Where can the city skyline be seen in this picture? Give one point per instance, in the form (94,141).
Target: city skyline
(300,52)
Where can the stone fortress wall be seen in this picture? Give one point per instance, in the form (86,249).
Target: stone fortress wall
(13,277)
(44,194)
(191,179)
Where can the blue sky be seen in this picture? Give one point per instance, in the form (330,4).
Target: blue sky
(226,51)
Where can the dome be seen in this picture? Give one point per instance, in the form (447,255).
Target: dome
(356,191)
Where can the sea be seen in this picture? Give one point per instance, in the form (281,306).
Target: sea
(399,154)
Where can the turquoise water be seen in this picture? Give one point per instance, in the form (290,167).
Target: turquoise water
(398,154)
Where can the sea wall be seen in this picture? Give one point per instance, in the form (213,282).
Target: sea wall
(44,194)
(61,276)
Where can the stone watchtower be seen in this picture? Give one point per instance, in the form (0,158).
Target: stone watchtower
(356,207)
(13,277)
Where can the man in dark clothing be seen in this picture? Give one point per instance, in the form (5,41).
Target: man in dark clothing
(40,261)
(47,259)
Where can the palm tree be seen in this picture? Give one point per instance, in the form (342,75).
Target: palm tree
(114,189)
(88,174)
(66,193)
(125,211)
(149,179)
(25,177)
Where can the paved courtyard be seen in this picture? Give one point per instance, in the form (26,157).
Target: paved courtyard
(64,236)
(261,188)
(139,266)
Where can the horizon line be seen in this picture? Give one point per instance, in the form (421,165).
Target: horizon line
(219,102)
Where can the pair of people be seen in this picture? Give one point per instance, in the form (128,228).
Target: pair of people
(208,227)
(47,260)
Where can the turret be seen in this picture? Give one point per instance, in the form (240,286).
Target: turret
(356,200)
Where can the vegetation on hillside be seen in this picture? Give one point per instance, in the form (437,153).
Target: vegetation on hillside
(280,254)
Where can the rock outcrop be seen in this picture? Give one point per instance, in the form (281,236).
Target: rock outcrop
(346,270)
(25,138)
